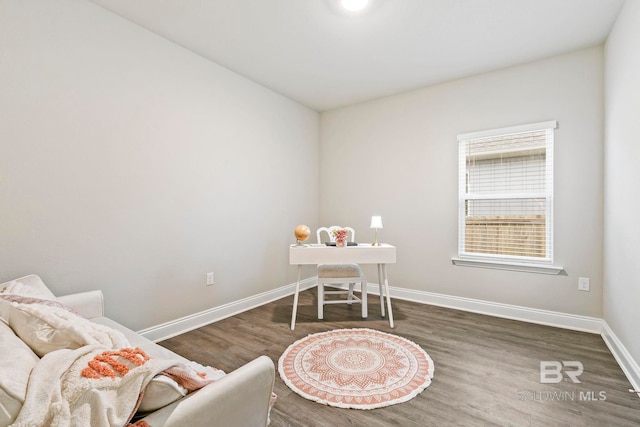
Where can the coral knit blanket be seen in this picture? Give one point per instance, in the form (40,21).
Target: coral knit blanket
(94,386)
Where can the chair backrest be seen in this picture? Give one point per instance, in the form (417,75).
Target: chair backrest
(351,235)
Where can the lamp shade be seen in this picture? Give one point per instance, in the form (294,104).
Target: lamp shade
(376,221)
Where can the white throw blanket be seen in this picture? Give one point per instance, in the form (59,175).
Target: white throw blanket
(99,384)
(60,395)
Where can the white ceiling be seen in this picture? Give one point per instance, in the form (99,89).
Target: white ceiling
(312,53)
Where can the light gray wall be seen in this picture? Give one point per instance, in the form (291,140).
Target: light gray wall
(622,175)
(397,157)
(132,165)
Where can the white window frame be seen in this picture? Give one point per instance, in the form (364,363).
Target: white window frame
(505,262)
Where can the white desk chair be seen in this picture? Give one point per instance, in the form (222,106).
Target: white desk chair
(340,274)
(351,236)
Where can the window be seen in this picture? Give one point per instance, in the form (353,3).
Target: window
(506,198)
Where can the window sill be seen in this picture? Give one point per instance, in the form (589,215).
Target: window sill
(527,268)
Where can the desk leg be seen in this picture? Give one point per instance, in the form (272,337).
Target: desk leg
(381,284)
(295,301)
(363,299)
(386,291)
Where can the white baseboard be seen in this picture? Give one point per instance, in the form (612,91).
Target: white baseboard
(507,311)
(622,355)
(513,312)
(197,320)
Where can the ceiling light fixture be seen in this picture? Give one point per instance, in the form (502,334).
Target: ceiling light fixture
(354,5)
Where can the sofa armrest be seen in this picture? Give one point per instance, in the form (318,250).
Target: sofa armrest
(89,304)
(240,398)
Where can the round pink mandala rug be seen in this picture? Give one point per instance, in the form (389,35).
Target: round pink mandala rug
(356,368)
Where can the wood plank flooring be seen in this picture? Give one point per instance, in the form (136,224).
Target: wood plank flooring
(487,369)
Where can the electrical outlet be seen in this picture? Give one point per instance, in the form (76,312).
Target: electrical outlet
(209,279)
(583,283)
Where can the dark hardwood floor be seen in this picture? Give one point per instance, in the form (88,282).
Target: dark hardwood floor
(487,369)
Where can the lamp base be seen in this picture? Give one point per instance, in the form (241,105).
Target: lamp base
(375,243)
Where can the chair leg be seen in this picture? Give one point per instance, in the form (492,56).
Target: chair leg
(320,301)
(350,296)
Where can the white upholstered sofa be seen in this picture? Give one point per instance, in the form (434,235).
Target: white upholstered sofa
(239,398)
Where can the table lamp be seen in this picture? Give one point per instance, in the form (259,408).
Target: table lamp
(376,222)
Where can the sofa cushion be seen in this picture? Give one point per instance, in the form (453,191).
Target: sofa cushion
(46,327)
(16,362)
(167,387)
(29,286)
(160,392)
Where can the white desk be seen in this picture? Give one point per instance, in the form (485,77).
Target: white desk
(362,254)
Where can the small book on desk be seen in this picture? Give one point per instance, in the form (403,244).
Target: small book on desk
(334,243)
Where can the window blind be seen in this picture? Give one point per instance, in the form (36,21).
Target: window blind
(506,194)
